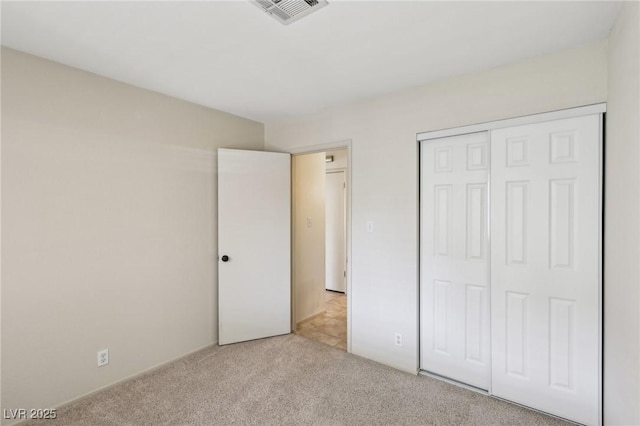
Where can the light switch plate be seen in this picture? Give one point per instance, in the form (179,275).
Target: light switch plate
(369,226)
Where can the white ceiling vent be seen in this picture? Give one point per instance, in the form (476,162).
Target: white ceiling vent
(288,11)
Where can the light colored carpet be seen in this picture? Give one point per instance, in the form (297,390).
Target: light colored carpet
(288,380)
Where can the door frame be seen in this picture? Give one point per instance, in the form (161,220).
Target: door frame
(312,149)
(598,108)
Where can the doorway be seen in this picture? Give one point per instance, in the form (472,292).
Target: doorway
(320,234)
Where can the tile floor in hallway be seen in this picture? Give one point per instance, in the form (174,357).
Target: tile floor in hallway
(330,327)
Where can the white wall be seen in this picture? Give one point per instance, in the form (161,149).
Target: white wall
(109,228)
(622,223)
(309,238)
(384,167)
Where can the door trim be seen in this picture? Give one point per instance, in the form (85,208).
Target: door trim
(311,149)
(515,121)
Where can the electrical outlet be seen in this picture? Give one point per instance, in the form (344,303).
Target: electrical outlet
(398,339)
(103,357)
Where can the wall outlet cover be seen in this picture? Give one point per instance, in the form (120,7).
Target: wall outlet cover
(103,357)
(398,339)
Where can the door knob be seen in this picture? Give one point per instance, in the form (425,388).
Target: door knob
(225,258)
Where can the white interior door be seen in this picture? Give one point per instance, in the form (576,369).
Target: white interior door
(545,267)
(335,232)
(254,233)
(454,283)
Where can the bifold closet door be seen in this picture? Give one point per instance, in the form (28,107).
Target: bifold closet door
(454,285)
(545,266)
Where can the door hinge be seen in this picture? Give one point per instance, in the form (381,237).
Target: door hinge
(345,274)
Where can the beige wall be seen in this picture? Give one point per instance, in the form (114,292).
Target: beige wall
(108,211)
(309,239)
(622,223)
(384,167)
(109,228)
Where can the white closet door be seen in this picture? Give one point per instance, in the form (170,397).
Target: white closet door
(454,284)
(545,266)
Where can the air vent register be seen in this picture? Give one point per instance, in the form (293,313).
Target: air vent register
(288,11)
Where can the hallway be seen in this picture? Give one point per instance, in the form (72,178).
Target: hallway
(330,327)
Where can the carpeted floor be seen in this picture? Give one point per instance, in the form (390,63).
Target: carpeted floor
(288,380)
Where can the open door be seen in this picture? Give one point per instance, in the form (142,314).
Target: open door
(254,245)
(336,247)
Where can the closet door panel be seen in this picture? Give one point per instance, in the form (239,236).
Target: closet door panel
(545,266)
(454,310)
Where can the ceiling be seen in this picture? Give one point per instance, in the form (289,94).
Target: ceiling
(231,56)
